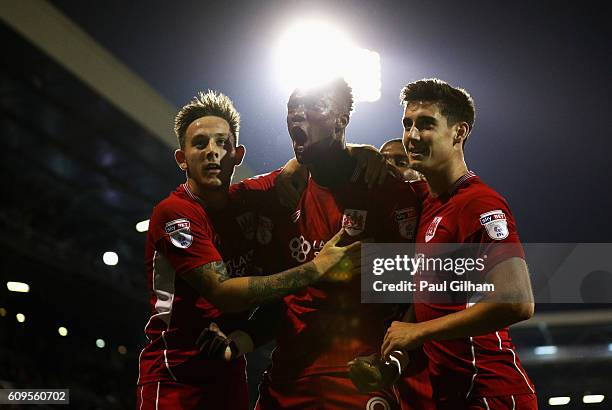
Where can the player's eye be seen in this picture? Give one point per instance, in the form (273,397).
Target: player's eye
(402,163)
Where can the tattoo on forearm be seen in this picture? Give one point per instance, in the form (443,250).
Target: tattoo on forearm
(221,270)
(266,288)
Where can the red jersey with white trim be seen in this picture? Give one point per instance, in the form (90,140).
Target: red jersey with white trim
(484,365)
(326,325)
(181,237)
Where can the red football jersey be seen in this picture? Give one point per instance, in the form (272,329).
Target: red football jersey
(326,325)
(181,237)
(484,365)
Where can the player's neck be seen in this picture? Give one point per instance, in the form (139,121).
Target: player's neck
(210,198)
(334,168)
(441,181)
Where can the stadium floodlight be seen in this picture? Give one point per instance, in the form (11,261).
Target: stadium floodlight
(110,258)
(142,226)
(20,317)
(18,287)
(593,398)
(545,350)
(100,343)
(558,401)
(312,52)
(62,331)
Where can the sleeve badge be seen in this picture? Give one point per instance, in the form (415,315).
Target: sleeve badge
(496,224)
(179,233)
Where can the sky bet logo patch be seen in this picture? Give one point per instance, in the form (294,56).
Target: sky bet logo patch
(496,224)
(179,232)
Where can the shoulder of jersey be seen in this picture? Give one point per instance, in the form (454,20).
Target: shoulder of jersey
(480,199)
(177,202)
(479,189)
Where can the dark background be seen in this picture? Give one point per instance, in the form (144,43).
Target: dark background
(77,174)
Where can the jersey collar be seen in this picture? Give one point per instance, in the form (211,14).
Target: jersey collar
(190,194)
(462,180)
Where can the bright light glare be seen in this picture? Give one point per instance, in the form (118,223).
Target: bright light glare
(558,401)
(543,350)
(100,343)
(593,398)
(142,226)
(313,52)
(20,317)
(62,331)
(110,258)
(18,287)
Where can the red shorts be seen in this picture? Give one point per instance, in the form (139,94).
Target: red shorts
(515,402)
(321,392)
(172,395)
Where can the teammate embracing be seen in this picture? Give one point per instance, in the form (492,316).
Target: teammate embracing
(472,361)
(326,325)
(198,272)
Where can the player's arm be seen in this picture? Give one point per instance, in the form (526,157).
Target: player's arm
(370,164)
(213,282)
(511,302)
(261,328)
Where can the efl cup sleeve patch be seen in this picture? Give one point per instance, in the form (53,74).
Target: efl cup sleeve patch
(179,232)
(496,224)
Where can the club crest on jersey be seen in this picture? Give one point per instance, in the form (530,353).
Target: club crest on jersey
(431,229)
(354,220)
(496,224)
(246,221)
(406,222)
(179,232)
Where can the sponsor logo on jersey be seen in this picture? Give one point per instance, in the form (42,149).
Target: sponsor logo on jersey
(300,248)
(407,222)
(353,221)
(179,232)
(496,224)
(378,403)
(264,230)
(431,229)
(246,221)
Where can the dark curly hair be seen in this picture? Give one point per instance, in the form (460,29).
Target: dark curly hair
(455,104)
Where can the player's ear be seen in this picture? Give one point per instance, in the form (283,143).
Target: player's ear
(179,157)
(240,153)
(342,121)
(463,130)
